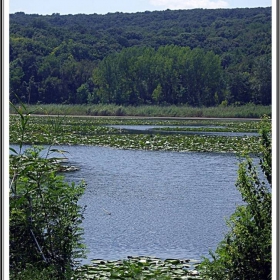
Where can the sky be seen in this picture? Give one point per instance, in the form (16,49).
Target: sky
(65,7)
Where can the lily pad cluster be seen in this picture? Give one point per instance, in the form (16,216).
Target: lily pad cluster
(140,267)
(81,131)
(238,124)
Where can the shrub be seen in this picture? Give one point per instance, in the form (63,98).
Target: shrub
(245,252)
(34,273)
(45,216)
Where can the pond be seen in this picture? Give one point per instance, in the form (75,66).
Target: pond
(163,204)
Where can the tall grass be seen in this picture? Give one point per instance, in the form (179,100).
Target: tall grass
(245,111)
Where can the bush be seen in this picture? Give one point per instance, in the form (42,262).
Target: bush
(34,273)
(45,216)
(245,252)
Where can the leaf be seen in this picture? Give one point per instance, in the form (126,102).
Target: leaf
(13,150)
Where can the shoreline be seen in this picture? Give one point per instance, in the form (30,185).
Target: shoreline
(145,117)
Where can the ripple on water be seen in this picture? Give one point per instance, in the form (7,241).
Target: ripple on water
(164,204)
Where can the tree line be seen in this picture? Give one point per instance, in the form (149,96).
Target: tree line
(169,75)
(56,59)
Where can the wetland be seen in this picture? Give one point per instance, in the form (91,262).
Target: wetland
(152,188)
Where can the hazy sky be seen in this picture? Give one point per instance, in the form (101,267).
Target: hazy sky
(131,6)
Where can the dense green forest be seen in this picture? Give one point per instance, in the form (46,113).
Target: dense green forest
(197,57)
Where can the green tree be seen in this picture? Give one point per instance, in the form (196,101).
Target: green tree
(239,88)
(261,80)
(185,76)
(157,94)
(245,252)
(16,75)
(83,93)
(38,40)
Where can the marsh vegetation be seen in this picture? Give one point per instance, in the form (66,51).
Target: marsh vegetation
(96,131)
(92,131)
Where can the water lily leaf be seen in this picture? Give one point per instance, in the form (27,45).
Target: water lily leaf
(173,261)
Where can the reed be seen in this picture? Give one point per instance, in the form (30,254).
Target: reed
(245,111)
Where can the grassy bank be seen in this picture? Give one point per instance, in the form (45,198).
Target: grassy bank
(245,111)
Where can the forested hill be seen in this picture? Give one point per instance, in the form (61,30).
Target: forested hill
(85,58)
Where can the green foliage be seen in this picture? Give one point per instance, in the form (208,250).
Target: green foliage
(95,131)
(52,57)
(141,268)
(169,75)
(245,111)
(245,252)
(45,216)
(34,273)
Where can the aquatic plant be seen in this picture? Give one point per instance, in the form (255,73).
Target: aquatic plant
(80,131)
(141,267)
(45,217)
(244,111)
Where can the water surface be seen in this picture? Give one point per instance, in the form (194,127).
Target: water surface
(153,129)
(164,204)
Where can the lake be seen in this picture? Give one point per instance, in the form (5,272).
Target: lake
(163,204)
(153,203)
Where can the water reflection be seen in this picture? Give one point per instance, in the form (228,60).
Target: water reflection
(153,129)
